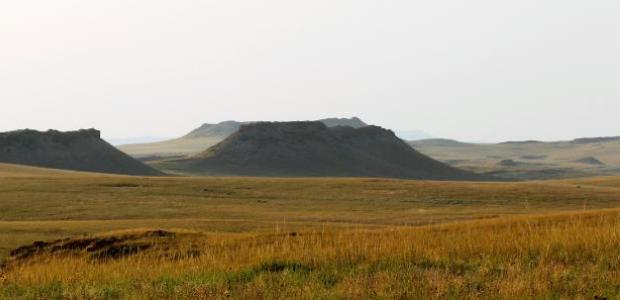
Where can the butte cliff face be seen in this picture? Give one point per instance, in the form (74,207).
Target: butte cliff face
(314,149)
(82,150)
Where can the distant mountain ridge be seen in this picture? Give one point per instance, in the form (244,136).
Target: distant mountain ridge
(222,129)
(353,122)
(208,135)
(413,135)
(226,128)
(596,140)
(439,142)
(597,156)
(135,140)
(314,149)
(81,150)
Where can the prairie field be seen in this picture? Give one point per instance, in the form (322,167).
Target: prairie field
(529,159)
(71,235)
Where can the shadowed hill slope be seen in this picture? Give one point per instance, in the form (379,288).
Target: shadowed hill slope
(206,136)
(313,149)
(82,150)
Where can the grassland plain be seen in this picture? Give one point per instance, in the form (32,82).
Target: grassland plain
(308,238)
(529,159)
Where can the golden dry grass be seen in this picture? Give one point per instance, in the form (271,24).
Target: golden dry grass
(562,256)
(356,238)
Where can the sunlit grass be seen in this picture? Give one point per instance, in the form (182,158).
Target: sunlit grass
(566,255)
(249,238)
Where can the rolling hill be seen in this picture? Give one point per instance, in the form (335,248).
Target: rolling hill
(206,136)
(314,149)
(529,159)
(82,150)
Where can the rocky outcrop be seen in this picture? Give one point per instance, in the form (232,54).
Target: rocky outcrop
(81,150)
(314,149)
(354,122)
(208,135)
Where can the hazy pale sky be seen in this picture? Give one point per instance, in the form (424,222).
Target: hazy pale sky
(466,69)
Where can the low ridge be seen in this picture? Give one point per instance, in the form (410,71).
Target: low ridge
(533,160)
(314,149)
(590,160)
(208,135)
(354,122)
(82,150)
(222,129)
(596,140)
(226,128)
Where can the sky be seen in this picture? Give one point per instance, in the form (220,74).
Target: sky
(470,70)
